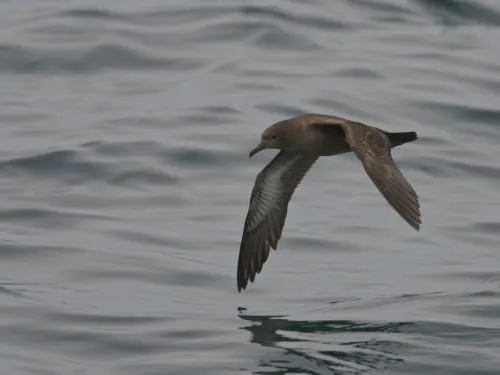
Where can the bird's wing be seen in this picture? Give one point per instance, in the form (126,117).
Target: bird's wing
(373,148)
(274,186)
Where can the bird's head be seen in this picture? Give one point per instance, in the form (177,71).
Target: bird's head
(274,137)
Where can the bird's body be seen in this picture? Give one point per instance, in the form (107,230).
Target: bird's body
(302,140)
(325,141)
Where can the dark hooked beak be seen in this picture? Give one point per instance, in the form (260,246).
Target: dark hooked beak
(260,147)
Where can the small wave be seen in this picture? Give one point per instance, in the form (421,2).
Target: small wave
(317,244)
(167,277)
(201,157)
(459,12)
(475,169)
(280,14)
(10,250)
(90,13)
(464,113)
(9,292)
(30,60)
(64,164)
(46,218)
(140,177)
(126,149)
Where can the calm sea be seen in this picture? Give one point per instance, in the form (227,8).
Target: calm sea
(125,128)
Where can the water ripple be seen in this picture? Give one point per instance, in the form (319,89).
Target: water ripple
(24,60)
(125,181)
(63,163)
(455,13)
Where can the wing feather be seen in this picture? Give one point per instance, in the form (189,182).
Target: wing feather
(373,149)
(272,191)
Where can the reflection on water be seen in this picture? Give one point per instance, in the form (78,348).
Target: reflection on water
(324,347)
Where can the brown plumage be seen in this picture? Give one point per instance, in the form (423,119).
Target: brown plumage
(302,140)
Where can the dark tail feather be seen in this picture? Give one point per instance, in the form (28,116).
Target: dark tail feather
(398,139)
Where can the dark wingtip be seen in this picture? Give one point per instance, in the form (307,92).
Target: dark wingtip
(241,284)
(241,276)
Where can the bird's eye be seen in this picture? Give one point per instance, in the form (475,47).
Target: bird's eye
(273,137)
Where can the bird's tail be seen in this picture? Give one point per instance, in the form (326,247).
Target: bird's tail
(398,139)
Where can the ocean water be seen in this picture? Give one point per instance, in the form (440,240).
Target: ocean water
(125,128)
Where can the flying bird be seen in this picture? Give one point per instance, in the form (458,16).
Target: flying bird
(301,141)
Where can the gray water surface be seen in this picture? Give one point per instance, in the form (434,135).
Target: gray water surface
(125,128)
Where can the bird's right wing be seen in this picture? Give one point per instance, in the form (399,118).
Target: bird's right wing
(274,186)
